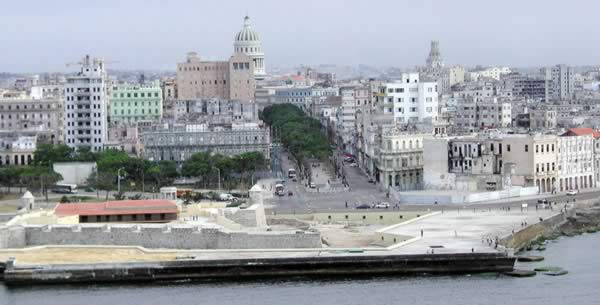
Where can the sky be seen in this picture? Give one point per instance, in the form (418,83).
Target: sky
(44,35)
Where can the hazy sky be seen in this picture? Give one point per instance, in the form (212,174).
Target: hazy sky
(43,35)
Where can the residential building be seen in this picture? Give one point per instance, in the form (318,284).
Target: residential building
(400,164)
(86,103)
(25,115)
(409,99)
(560,82)
(230,80)
(131,103)
(490,72)
(525,86)
(247,41)
(215,111)
(576,159)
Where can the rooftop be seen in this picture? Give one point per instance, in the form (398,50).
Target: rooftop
(123,207)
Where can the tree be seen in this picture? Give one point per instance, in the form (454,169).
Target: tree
(163,173)
(103,181)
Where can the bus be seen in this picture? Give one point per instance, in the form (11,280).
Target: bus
(291,173)
(63,188)
(279,190)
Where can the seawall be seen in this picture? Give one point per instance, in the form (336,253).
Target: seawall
(520,239)
(260,268)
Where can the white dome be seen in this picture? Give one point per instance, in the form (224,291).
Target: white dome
(247,34)
(27,195)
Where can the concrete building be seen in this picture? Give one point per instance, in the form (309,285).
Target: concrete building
(16,150)
(178,142)
(125,137)
(86,103)
(247,41)
(400,165)
(409,99)
(26,115)
(215,111)
(525,86)
(449,77)
(576,159)
(560,82)
(132,103)
(491,72)
(230,80)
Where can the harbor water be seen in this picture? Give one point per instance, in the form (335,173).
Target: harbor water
(579,255)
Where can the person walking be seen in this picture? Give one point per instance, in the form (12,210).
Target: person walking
(421,232)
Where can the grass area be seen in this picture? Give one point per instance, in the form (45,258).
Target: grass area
(10,196)
(8,207)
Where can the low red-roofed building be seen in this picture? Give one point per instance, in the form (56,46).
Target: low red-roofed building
(155,210)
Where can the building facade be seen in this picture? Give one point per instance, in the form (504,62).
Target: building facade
(400,164)
(231,80)
(34,116)
(132,103)
(409,99)
(16,150)
(180,141)
(86,104)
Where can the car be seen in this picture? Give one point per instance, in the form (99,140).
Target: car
(312,185)
(382,205)
(371,180)
(542,201)
(294,179)
(353,165)
(348,159)
(363,206)
(226,197)
(572,192)
(290,193)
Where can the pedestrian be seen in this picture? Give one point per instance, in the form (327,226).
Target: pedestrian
(455,234)
(346,204)
(421,232)
(472,250)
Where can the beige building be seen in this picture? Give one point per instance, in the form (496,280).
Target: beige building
(231,80)
(400,163)
(33,116)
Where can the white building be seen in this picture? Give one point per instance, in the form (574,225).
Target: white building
(248,42)
(491,72)
(560,82)
(86,106)
(409,99)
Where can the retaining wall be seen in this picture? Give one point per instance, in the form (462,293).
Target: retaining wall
(153,236)
(521,238)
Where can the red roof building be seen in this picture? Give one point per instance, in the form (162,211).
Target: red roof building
(155,210)
(581,132)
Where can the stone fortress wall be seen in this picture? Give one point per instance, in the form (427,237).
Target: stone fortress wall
(153,236)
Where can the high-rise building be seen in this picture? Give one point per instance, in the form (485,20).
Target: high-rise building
(434,60)
(409,99)
(86,106)
(247,41)
(560,81)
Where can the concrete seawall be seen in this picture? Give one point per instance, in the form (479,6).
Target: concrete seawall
(523,237)
(260,268)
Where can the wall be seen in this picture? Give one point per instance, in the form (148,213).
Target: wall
(75,172)
(153,236)
(521,238)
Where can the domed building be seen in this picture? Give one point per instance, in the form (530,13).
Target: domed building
(247,42)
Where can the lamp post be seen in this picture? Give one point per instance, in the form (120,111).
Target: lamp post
(119,180)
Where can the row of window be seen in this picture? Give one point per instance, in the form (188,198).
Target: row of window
(135,111)
(39,106)
(135,94)
(135,104)
(25,116)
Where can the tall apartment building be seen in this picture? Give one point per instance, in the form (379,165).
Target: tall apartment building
(230,80)
(409,99)
(131,103)
(525,86)
(560,82)
(86,106)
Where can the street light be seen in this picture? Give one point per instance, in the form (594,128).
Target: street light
(119,179)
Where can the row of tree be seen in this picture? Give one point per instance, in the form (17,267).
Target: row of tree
(300,135)
(232,171)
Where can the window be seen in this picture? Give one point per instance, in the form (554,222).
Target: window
(508,147)
(526,148)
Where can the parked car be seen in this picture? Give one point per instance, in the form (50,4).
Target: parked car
(382,205)
(294,179)
(371,180)
(572,192)
(290,193)
(363,206)
(312,185)
(542,201)
(353,165)
(226,197)
(348,159)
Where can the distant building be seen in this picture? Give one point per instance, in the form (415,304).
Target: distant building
(491,72)
(180,141)
(86,104)
(247,41)
(214,111)
(43,117)
(230,80)
(560,82)
(132,103)
(16,150)
(434,60)
(409,99)
(400,163)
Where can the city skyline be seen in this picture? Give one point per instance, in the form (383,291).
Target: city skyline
(145,35)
